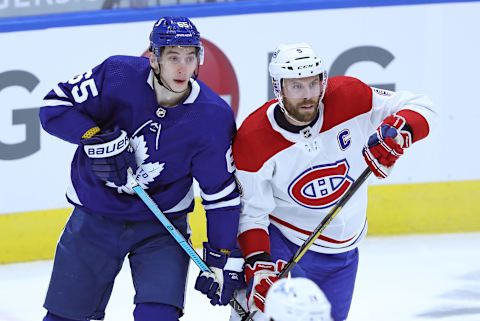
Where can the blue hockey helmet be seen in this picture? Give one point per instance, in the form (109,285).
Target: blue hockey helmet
(175,31)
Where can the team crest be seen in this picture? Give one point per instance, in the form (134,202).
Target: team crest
(146,172)
(321,186)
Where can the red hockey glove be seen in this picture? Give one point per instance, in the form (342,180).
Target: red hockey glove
(386,145)
(260,277)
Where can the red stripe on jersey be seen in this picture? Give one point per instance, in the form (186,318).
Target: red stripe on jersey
(256,141)
(297,229)
(417,123)
(345,98)
(254,241)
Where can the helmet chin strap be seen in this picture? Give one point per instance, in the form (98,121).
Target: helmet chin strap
(159,79)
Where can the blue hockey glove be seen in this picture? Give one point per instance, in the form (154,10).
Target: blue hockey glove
(226,276)
(111,156)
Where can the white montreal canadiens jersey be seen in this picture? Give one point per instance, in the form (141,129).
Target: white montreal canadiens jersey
(292,180)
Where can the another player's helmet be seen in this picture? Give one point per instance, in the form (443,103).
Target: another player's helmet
(297,299)
(175,31)
(296,60)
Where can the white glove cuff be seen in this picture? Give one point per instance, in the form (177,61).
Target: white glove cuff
(234,264)
(108,149)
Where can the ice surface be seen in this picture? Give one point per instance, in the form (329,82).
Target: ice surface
(404,278)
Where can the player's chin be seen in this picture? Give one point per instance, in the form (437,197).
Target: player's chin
(180,85)
(307,115)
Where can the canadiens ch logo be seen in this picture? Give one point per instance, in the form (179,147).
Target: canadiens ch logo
(321,186)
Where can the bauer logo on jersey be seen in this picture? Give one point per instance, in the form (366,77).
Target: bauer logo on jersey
(321,186)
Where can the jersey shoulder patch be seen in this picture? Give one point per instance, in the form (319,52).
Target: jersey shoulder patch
(345,98)
(256,141)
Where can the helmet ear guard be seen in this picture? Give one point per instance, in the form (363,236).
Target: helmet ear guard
(175,31)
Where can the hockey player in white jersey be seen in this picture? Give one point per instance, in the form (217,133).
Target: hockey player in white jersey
(298,154)
(296,299)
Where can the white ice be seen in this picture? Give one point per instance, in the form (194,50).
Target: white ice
(405,278)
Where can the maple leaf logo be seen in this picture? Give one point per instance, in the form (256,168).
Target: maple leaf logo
(146,172)
(140,148)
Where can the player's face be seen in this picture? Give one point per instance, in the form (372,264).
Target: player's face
(177,66)
(301,97)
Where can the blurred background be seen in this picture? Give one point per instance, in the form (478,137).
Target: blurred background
(18,8)
(428,47)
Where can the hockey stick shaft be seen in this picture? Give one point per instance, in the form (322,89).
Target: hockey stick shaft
(321,227)
(325,222)
(180,238)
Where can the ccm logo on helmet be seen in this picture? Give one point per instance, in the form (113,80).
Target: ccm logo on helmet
(321,186)
(305,66)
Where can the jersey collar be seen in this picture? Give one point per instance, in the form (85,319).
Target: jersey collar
(307,133)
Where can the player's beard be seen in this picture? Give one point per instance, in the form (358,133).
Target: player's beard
(299,114)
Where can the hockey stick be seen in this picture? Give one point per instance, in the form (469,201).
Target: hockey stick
(322,226)
(179,238)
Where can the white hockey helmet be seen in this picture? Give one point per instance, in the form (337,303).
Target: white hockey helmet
(296,60)
(297,299)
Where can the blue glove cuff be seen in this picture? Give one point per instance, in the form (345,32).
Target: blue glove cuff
(213,257)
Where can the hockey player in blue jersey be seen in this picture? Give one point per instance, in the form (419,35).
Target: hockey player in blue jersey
(154,116)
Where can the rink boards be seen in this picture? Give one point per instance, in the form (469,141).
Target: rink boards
(393,209)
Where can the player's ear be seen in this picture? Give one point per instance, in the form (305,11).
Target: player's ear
(153,62)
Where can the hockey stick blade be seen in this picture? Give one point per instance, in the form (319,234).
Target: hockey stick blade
(150,203)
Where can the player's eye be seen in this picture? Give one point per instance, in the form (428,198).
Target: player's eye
(296,86)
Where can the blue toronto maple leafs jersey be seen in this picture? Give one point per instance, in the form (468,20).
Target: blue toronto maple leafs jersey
(191,140)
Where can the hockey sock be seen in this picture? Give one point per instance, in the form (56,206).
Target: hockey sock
(155,312)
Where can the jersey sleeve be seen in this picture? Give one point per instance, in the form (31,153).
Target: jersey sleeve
(257,194)
(73,107)
(213,168)
(257,204)
(416,109)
